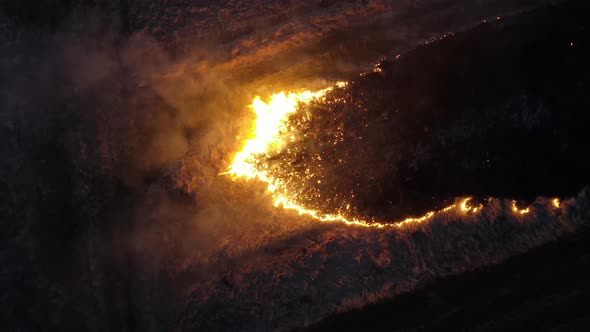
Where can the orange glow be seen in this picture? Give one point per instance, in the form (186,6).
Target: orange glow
(519,211)
(267,135)
(464,207)
(556,202)
(271,132)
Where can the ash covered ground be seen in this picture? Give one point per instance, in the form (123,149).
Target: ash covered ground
(118,116)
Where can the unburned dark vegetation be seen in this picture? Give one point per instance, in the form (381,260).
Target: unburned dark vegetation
(546,289)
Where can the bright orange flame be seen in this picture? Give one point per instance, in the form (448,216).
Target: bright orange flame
(267,134)
(464,206)
(556,202)
(271,133)
(520,211)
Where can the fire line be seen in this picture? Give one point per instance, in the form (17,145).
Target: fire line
(270,134)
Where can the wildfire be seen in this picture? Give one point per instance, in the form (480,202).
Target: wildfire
(465,208)
(271,132)
(519,211)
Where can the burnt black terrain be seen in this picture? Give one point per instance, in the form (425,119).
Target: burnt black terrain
(501,110)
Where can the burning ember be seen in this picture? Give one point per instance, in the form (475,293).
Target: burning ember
(272,131)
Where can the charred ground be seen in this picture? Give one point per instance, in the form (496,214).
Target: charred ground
(500,110)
